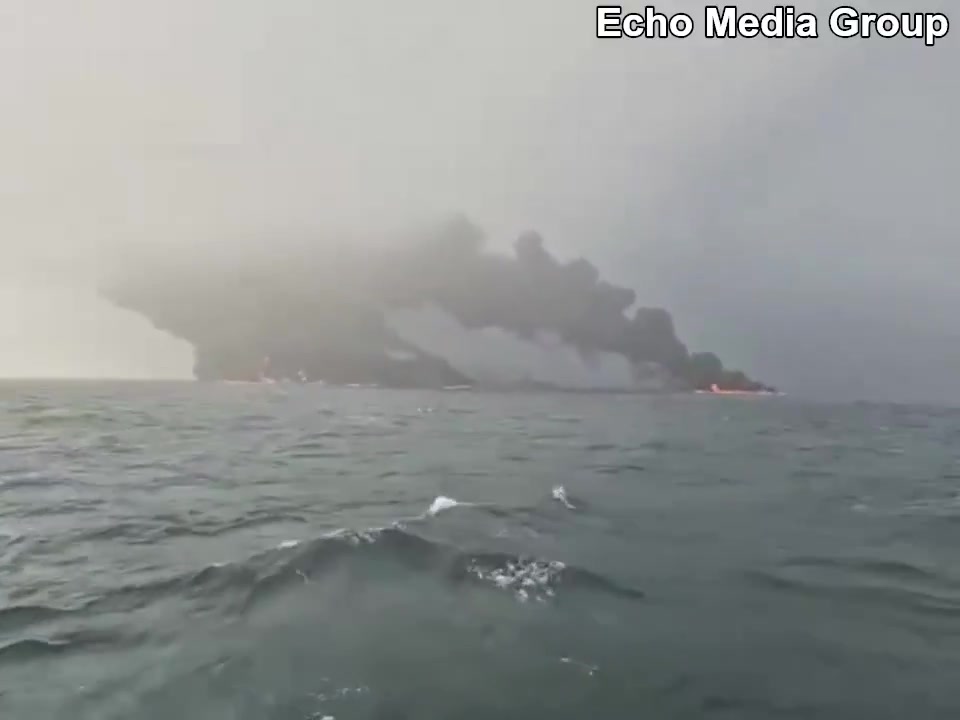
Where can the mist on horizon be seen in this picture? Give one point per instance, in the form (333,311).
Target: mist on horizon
(787,201)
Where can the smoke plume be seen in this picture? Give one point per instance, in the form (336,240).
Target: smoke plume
(322,312)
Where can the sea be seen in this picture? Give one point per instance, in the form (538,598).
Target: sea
(175,551)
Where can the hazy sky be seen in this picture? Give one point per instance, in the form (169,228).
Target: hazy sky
(787,200)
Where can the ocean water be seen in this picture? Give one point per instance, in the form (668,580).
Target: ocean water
(220,552)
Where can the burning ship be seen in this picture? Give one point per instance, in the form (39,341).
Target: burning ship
(715,389)
(318,314)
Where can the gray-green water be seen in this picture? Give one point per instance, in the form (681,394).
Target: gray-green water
(190,551)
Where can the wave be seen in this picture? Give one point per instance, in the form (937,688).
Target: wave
(18,616)
(27,649)
(147,532)
(620,469)
(239,587)
(866,582)
(20,651)
(57,417)
(291,564)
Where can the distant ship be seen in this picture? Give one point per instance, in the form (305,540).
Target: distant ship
(716,390)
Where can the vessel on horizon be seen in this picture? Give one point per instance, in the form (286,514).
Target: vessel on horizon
(715,389)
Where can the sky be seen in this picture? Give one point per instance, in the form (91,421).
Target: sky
(787,200)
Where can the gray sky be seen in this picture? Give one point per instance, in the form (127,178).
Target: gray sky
(787,200)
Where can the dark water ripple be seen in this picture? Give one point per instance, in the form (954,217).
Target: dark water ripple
(180,550)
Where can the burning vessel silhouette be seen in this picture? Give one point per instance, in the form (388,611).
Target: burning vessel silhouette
(715,389)
(314,312)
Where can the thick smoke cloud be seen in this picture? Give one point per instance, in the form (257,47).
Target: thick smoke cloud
(790,202)
(322,312)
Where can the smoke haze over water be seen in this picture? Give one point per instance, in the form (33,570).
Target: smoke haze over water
(787,200)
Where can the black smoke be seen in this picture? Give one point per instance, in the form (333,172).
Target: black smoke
(322,311)
(534,292)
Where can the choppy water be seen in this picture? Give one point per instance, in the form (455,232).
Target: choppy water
(190,551)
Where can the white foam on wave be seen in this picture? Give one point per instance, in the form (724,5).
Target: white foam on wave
(560,493)
(527,579)
(287,544)
(361,537)
(442,503)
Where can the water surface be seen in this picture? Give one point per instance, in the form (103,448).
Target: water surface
(235,552)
